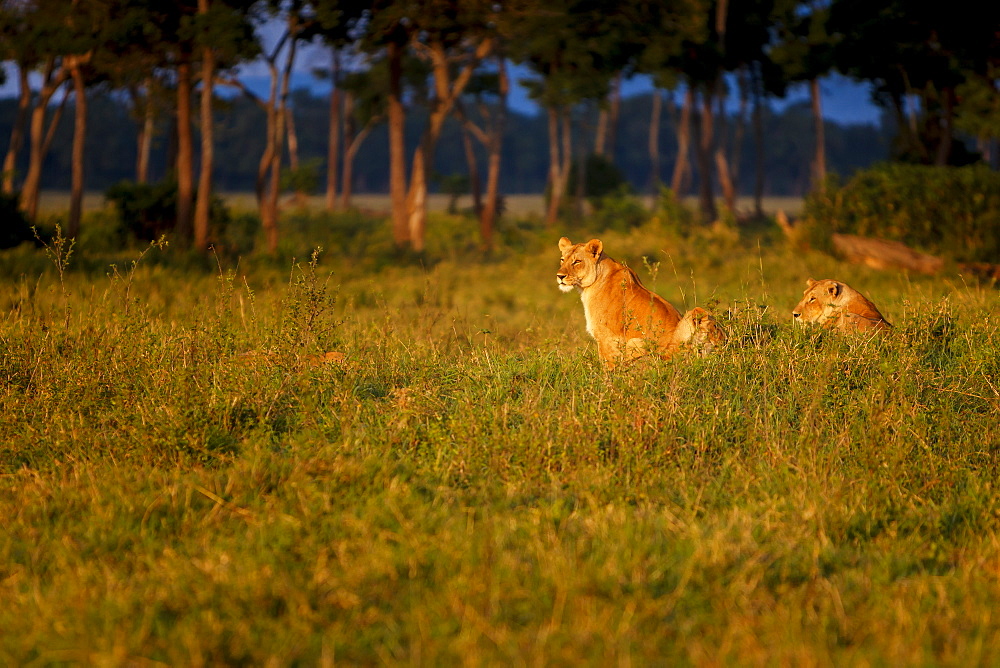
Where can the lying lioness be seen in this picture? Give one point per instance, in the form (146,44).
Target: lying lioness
(627,320)
(835,305)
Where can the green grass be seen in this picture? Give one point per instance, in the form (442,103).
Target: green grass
(179,484)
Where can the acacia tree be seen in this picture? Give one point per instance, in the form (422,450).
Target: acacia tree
(978,113)
(337,21)
(451,37)
(574,48)
(915,51)
(37,42)
(12,29)
(489,132)
(224,38)
(298,23)
(88,25)
(804,51)
(736,34)
(672,27)
(364,109)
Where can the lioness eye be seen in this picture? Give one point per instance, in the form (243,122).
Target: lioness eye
(576,262)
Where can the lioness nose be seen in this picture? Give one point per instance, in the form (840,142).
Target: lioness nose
(559,277)
(795,314)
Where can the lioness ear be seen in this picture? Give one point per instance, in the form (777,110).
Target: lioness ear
(595,247)
(564,243)
(834,289)
(809,283)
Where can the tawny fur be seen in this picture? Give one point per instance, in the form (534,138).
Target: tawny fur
(835,305)
(627,320)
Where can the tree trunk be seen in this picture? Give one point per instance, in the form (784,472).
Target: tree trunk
(613,114)
(416,199)
(267,157)
(185,150)
(39,138)
(555,165)
(723,169)
(79,145)
(601,133)
(704,137)
(333,149)
(144,141)
(681,166)
(488,215)
(654,143)
(397,147)
(758,135)
(943,153)
(293,153)
(17,131)
(347,174)
(446,92)
(882,254)
(475,186)
(273,191)
(819,159)
(352,144)
(203,204)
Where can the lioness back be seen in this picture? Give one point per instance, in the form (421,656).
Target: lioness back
(626,319)
(835,305)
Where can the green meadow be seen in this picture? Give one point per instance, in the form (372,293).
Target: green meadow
(184,481)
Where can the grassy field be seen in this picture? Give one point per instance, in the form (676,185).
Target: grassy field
(181,483)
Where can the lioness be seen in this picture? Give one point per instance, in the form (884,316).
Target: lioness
(627,320)
(835,305)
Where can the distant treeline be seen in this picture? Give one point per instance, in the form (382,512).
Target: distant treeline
(788,144)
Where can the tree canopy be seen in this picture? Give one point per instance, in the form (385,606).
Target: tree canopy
(394,61)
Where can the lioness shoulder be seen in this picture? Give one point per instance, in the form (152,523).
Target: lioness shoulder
(835,305)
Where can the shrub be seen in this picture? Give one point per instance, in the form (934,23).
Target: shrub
(601,179)
(671,213)
(147,211)
(954,211)
(15,228)
(618,210)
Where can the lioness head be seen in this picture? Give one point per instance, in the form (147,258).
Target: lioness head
(578,264)
(835,305)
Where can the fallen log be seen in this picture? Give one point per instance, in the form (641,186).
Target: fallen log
(984,271)
(882,254)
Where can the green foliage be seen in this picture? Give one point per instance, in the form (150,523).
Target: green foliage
(601,179)
(618,210)
(149,211)
(304,179)
(953,211)
(15,228)
(671,213)
(454,185)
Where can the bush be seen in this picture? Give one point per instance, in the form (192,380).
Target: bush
(15,228)
(618,210)
(148,211)
(601,179)
(671,212)
(952,211)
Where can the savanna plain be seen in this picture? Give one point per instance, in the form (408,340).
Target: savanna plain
(187,479)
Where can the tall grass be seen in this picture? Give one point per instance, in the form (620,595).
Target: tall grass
(182,483)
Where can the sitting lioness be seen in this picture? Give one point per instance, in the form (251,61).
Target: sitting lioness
(835,305)
(627,320)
